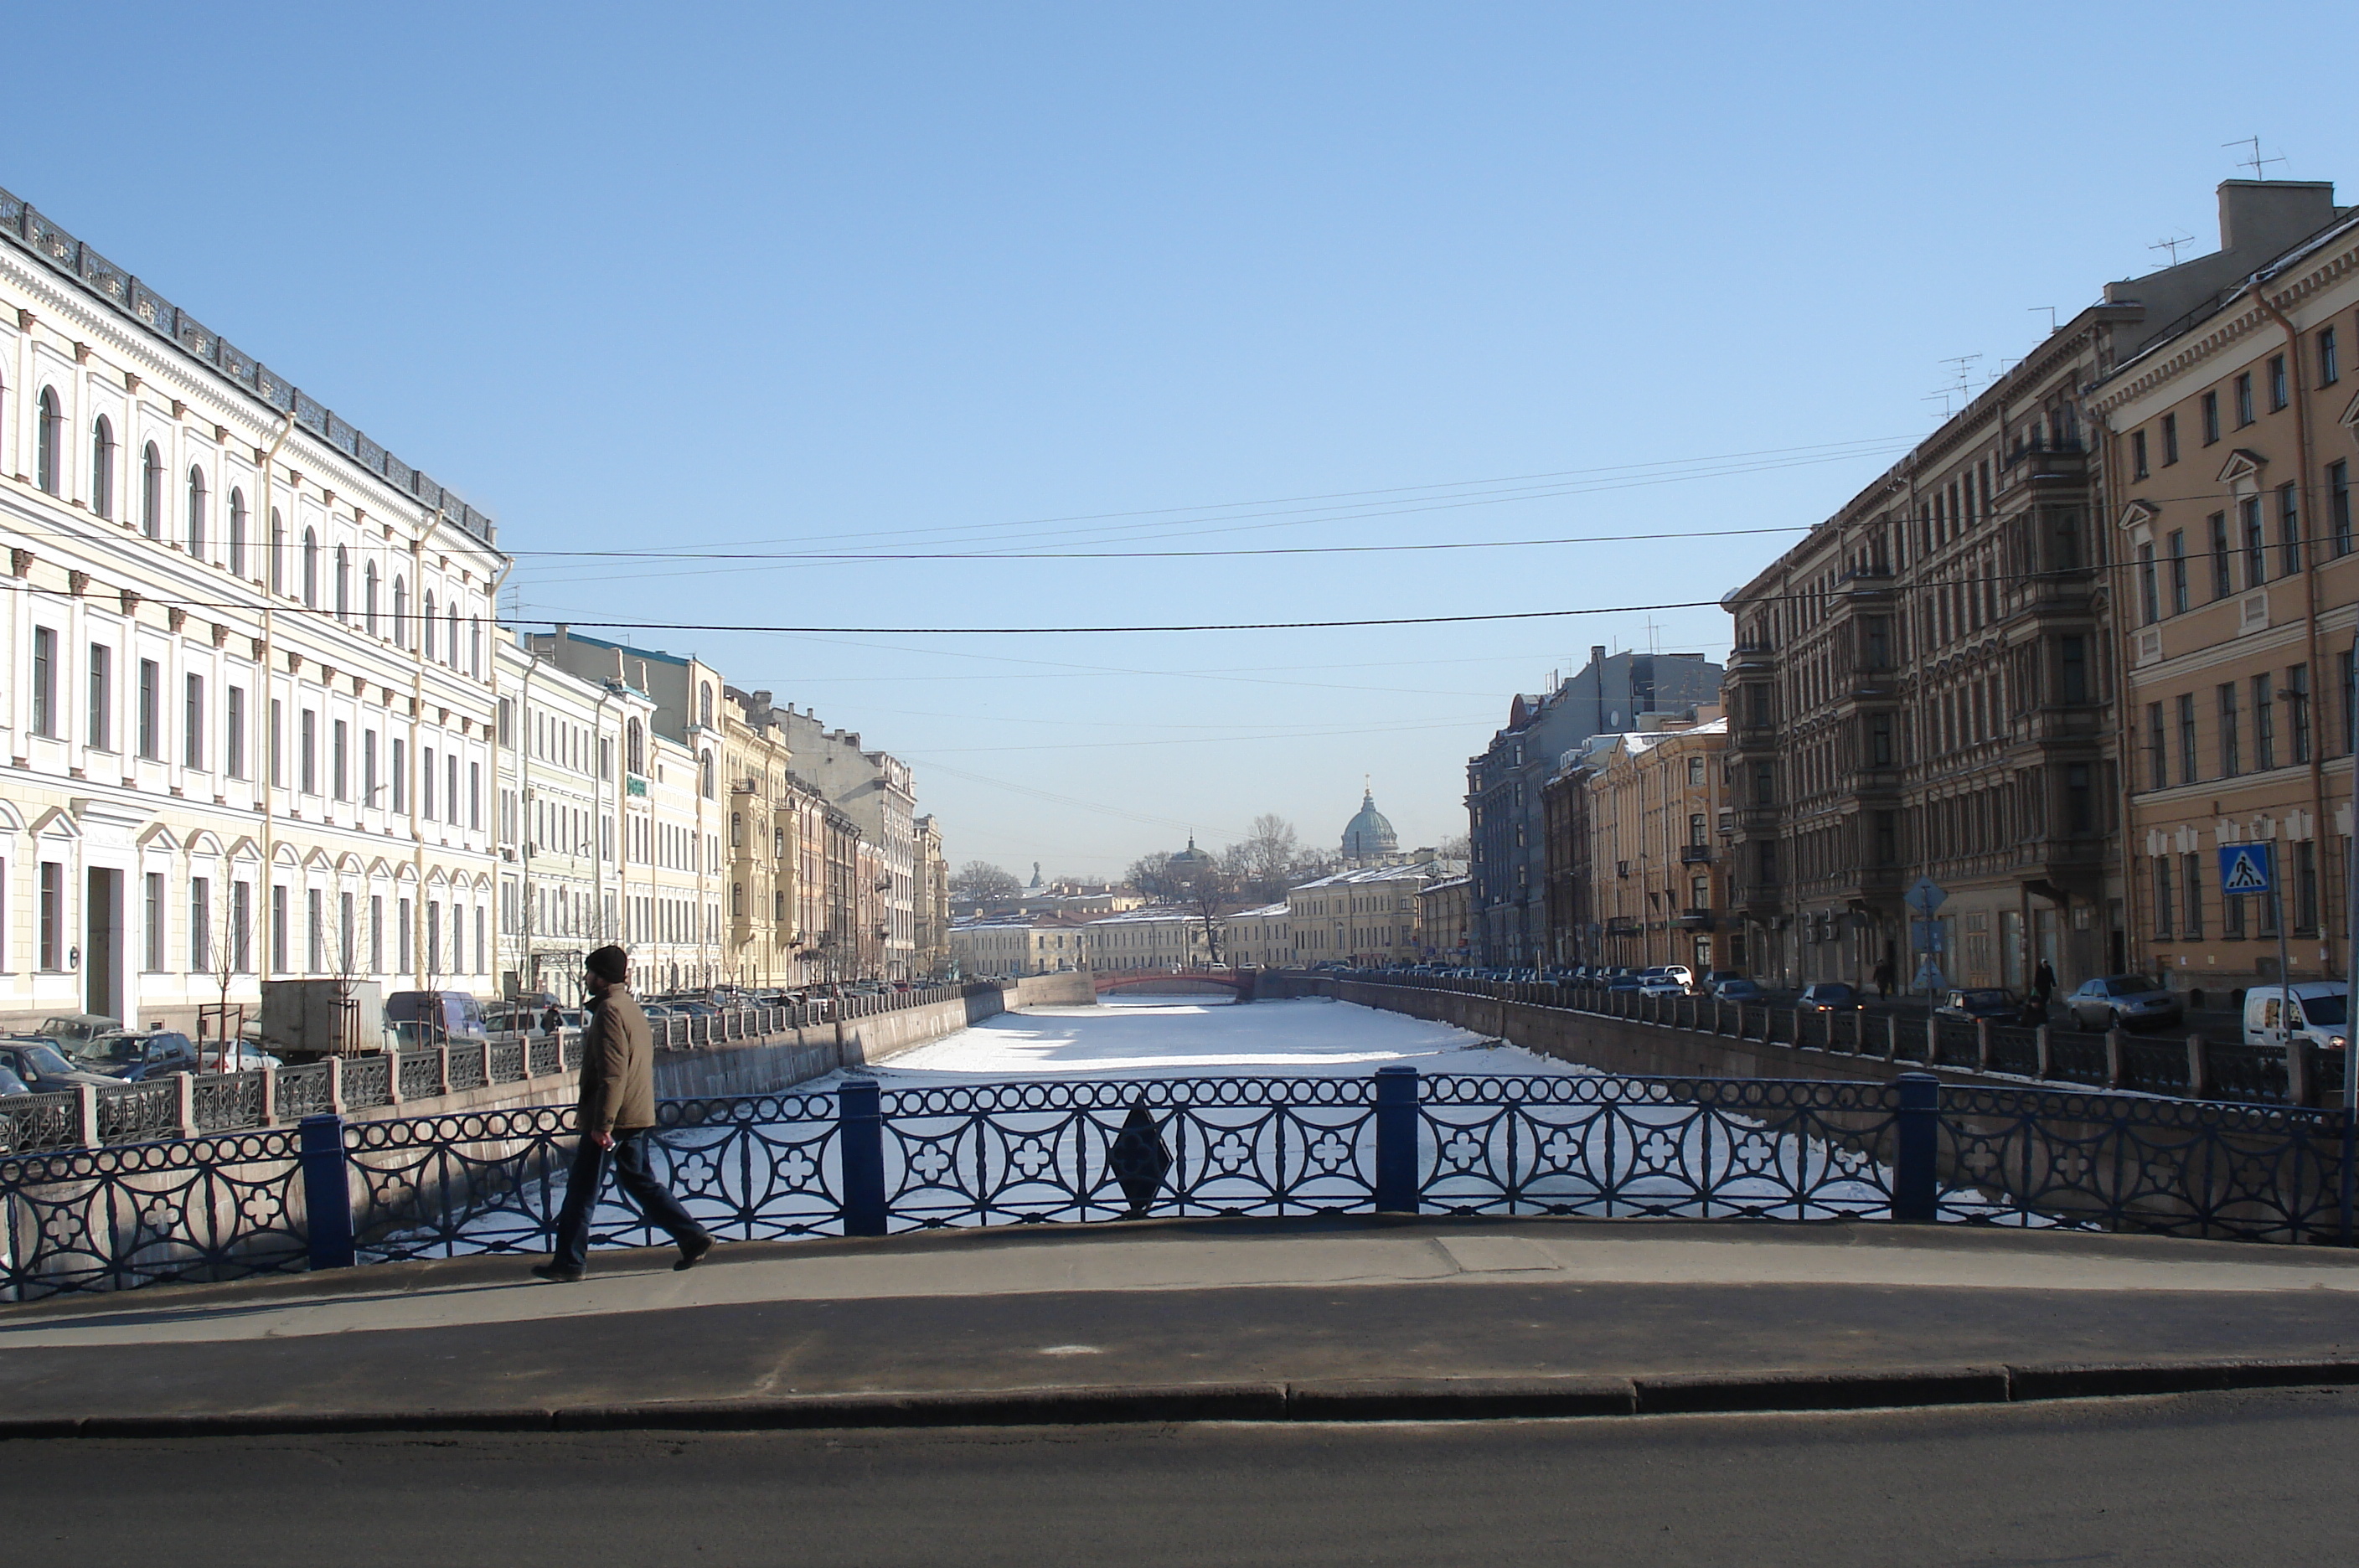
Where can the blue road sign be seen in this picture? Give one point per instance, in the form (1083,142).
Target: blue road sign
(2246,868)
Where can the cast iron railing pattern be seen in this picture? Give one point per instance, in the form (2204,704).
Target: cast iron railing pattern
(861,1161)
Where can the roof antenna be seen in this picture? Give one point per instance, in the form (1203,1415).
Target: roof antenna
(2257,163)
(2172,246)
(2051,316)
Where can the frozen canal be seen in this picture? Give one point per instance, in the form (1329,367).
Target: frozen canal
(1183,1037)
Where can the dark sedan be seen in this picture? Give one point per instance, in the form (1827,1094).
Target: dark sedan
(2124,1002)
(1988,1002)
(1830,996)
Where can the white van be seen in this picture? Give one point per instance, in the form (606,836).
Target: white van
(2318,1011)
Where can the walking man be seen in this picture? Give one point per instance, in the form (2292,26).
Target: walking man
(618,1107)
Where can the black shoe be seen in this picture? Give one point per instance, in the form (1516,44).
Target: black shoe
(692,1251)
(557,1273)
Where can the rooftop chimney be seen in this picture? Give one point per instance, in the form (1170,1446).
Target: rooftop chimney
(2262,217)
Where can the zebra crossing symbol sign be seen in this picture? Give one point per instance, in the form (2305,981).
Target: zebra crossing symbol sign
(2244,868)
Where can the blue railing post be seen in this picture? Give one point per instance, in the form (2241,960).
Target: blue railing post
(1396,1100)
(327,1191)
(861,1132)
(1917,1135)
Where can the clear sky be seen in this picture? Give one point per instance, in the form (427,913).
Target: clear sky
(914,278)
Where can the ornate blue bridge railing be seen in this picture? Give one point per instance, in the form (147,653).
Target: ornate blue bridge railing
(863,1160)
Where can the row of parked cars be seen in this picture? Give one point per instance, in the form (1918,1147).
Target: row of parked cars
(75,1049)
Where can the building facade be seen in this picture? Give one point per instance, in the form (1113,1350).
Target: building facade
(1657,892)
(2231,443)
(1367,918)
(1158,936)
(1260,938)
(934,901)
(1505,820)
(876,791)
(1445,911)
(1019,944)
(248,717)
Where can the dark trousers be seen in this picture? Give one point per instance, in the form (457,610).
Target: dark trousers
(652,1198)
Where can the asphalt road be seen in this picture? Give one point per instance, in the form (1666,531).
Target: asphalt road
(2206,1479)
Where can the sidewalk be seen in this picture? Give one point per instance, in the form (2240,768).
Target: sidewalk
(1164,1320)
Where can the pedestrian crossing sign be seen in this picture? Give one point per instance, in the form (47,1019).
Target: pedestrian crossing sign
(2245,869)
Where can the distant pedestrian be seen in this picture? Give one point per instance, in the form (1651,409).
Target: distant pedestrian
(2043,984)
(618,1107)
(551,1021)
(1884,976)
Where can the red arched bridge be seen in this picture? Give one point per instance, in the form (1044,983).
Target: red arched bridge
(1237,982)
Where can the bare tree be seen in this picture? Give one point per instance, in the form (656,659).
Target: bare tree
(1151,875)
(1459,847)
(981,882)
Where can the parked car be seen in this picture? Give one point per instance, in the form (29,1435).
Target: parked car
(1667,980)
(429,1017)
(2124,1001)
(1829,996)
(1984,1002)
(44,1068)
(10,1084)
(68,1030)
(1713,979)
(134,1056)
(1737,988)
(2319,1012)
(1625,980)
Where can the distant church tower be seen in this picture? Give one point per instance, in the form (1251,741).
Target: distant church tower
(1035,876)
(1368,838)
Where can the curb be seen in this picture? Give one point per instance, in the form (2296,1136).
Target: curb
(1367,1400)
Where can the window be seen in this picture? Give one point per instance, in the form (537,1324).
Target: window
(450,646)
(278,746)
(506,723)
(635,747)
(2210,418)
(153,884)
(278,553)
(151,492)
(377,935)
(240,927)
(278,929)
(450,795)
(2150,590)
(2305,887)
(237,533)
(101,697)
(315,955)
(2257,564)
(2329,362)
(474,794)
(193,722)
(344,584)
(2338,503)
(45,682)
(49,443)
(428,648)
(2169,440)
(2231,915)
(2187,772)
(2178,572)
(401,771)
(2190,887)
(53,915)
(403,926)
(1765,784)
(368,768)
(2223,577)
(2288,533)
(307,751)
(338,751)
(704,774)
(2350,708)
(2265,724)
(2073,653)
(426,784)
(200,924)
(368,598)
(2162,901)
(101,467)
(310,568)
(2081,797)
(2244,400)
(234,733)
(151,710)
(196,514)
(2277,382)
(2297,696)
(2229,763)
(2138,469)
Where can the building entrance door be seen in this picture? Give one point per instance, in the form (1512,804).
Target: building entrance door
(101,946)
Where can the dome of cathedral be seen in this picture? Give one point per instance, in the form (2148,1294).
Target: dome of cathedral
(1368,836)
(1190,861)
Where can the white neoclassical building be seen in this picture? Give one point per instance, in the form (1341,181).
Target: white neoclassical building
(246,729)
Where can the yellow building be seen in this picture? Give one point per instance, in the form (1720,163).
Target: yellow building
(1653,802)
(1367,917)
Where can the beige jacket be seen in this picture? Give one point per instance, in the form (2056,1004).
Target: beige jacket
(618,1066)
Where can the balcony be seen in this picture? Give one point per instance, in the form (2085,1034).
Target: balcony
(1695,919)
(1621,925)
(1695,854)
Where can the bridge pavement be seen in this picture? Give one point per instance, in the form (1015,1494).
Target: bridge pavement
(1266,1320)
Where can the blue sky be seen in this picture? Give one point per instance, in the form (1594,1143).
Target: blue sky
(907,278)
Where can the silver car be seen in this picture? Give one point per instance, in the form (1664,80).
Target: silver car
(2125,1002)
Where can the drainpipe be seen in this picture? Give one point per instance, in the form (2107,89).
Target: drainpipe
(2303,513)
(269,659)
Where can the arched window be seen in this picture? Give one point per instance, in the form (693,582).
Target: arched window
(429,649)
(237,533)
(475,644)
(344,584)
(400,611)
(312,568)
(101,467)
(368,598)
(736,831)
(151,492)
(704,708)
(196,514)
(277,553)
(635,749)
(450,648)
(704,774)
(51,439)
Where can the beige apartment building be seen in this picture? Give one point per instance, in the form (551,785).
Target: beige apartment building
(2232,443)
(1367,917)
(1657,885)
(1158,936)
(1445,915)
(1261,938)
(1019,944)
